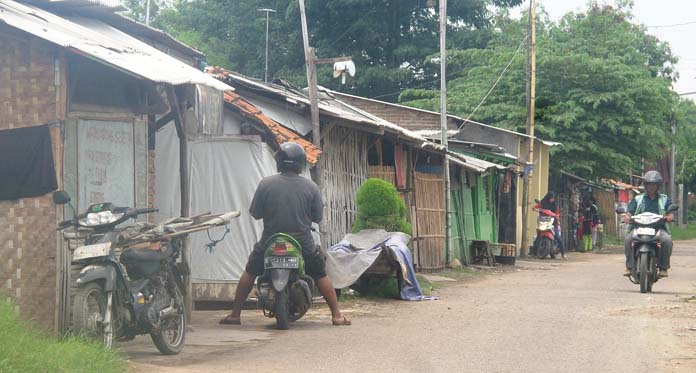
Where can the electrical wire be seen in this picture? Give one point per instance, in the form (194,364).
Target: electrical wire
(673,25)
(502,73)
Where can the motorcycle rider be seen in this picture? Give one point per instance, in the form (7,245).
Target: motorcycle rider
(287,203)
(650,201)
(550,203)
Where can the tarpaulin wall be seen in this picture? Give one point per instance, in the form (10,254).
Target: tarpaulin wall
(224,174)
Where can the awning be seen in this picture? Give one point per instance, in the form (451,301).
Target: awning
(473,164)
(105,44)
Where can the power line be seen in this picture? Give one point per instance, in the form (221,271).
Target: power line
(673,25)
(502,73)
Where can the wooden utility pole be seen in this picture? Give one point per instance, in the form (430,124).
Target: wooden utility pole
(529,165)
(180,124)
(443,125)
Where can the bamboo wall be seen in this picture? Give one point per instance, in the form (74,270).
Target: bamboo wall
(429,221)
(345,168)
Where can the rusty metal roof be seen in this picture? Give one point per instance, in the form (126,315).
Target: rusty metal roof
(280,133)
(101,42)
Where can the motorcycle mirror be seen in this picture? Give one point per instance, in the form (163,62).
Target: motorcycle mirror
(620,210)
(673,207)
(61,197)
(536,200)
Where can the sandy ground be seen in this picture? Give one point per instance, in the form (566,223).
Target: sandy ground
(543,316)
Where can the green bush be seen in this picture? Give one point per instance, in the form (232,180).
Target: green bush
(380,207)
(26,350)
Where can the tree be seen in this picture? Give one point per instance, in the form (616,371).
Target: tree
(685,170)
(388,39)
(603,88)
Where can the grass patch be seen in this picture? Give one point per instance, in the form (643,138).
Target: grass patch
(25,350)
(688,233)
(612,240)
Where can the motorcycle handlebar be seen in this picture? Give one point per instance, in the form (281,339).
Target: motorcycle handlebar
(146,211)
(65,223)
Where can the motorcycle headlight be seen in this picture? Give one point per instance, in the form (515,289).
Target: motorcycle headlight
(94,219)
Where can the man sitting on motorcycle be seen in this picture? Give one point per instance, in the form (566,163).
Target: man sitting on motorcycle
(287,203)
(650,201)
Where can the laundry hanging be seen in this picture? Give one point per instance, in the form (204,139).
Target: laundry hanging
(26,163)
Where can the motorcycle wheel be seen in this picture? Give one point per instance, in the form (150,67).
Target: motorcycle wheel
(643,263)
(544,247)
(282,312)
(89,309)
(171,341)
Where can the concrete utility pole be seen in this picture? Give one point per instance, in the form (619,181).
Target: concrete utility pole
(147,13)
(443,125)
(530,129)
(672,164)
(267,11)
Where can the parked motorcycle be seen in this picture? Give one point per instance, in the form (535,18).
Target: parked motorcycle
(111,303)
(284,291)
(545,243)
(645,239)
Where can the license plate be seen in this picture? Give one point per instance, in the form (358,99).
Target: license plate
(643,231)
(92,251)
(282,262)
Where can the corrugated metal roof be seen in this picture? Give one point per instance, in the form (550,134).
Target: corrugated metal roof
(328,105)
(471,163)
(280,133)
(99,41)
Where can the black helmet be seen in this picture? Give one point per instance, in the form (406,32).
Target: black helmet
(291,157)
(652,177)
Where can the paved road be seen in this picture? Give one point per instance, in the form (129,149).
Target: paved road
(575,316)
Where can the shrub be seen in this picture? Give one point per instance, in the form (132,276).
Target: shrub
(380,207)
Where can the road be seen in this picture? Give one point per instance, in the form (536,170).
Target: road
(544,316)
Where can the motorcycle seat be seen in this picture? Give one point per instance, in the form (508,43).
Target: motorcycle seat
(143,255)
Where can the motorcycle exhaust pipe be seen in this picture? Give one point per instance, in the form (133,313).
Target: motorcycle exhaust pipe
(169,313)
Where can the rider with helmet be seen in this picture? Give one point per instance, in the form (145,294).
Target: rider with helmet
(287,203)
(650,201)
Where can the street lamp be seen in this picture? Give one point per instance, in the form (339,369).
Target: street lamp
(268,12)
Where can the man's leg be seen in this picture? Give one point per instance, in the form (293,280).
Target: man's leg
(327,291)
(559,240)
(315,266)
(253,269)
(665,250)
(628,252)
(246,283)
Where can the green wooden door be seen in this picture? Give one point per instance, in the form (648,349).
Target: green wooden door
(484,208)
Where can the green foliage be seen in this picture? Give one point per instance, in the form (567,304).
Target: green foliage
(685,119)
(25,350)
(603,88)
(380,207)
(388,40)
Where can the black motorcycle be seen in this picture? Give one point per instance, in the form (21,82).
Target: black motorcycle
(645,238)
(111,303)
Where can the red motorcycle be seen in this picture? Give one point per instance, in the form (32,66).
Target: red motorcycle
(545,244)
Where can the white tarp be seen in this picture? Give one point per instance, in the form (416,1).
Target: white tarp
(224,175)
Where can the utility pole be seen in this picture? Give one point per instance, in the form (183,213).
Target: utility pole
(443,125)
(267,11)
(530,129)
(672,165)
(311,63)
(147,13)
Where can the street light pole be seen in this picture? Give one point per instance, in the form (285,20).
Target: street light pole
(529,164)
(268,12)
(443,126)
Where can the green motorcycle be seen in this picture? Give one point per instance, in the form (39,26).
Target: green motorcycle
(284,291)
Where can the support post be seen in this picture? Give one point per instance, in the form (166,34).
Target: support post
(443,126)
(530,129)
(180,123)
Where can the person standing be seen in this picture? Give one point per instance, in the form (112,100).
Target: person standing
(589,216)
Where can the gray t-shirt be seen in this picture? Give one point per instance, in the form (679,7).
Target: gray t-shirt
(287,203)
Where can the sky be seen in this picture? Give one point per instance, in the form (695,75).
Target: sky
(665,19)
